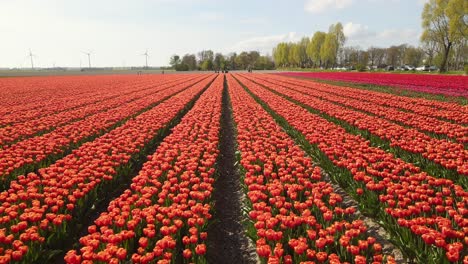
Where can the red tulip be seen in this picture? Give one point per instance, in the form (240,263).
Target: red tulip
(200,249)
(187,253)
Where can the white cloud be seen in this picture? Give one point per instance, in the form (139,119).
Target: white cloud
(319,6)
(361,35)
(264,44)
(356,31)
(399,36)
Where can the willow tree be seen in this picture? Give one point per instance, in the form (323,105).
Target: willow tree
(333,43)
(328,50)
(281,54)
(340,38)
(304,59)
(444,23)
(314,46)
(294,55)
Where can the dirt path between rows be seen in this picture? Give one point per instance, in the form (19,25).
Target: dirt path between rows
(227,242)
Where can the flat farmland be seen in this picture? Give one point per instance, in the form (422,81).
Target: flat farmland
(250,167)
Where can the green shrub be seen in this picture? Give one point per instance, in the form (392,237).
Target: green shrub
(182,67)
(361,67)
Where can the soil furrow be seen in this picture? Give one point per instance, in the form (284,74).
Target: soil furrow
(227,242)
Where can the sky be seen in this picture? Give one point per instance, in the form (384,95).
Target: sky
(118,32)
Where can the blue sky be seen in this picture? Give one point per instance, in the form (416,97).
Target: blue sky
(117,32)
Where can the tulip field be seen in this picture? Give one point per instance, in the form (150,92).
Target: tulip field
(232,168)
(456,85)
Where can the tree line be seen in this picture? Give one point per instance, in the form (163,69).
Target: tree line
(443,43)
(207,60)
(322,50)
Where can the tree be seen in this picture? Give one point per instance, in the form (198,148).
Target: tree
(205,58)
(264,63)
(219,61)
(459,54)
(243,60)
(348,57)
(413,56)
(363,60)
(401,53)
(430,50)
(294,57)
(253,57)
(355,56)
(181,67)
(314,46)
(457,12)
(444,23)
(328,50)
(175,60)
(190,60)
(392,55)
(231,61)
(302,52)
(340,38)
(281,54)
(276,55)
(207,65)
(376,55)
(334,42)
(205,55)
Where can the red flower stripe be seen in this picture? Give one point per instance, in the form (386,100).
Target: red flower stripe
(296,215)
(454,85)
(432,108)
(31,127)
(169,199)
(37,206)
(432,209)
(41,96)
(424,123)
(449,154)
(37,149)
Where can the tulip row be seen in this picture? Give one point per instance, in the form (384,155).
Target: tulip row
(167,207)
(453,85)
(426,215)
(295,214)
(32,127)
(37,210)
(442,110)
(420,122)
(449,154)
(51,95)
(19,109)
(40,151)
(42,92)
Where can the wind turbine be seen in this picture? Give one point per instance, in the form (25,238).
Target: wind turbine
(89,58)
(146,57)
(31,55)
